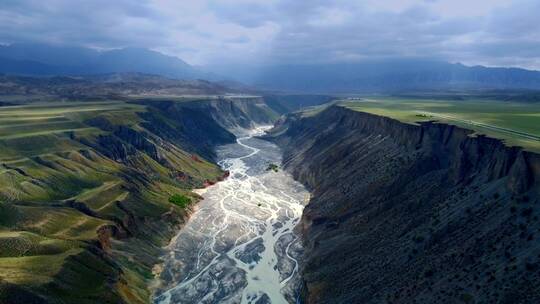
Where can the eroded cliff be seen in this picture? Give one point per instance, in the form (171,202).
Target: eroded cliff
(405,213)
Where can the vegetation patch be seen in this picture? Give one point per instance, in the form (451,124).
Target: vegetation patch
(272,167)
(180,200)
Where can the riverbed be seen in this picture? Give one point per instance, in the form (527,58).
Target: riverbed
(240,245)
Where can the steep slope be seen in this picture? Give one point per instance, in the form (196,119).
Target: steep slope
(87,195)
(230,113)
(405,213)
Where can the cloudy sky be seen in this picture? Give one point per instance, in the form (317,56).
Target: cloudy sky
(205,32)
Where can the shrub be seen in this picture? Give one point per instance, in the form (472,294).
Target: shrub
(272,167)
(180,200)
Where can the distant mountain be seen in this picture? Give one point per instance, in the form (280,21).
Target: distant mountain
(38,59)
(395,75)
(27,67)
(143,61)
(105,86)
(61,56)
(386,76)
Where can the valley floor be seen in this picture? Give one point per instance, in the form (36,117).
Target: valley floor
(240,246)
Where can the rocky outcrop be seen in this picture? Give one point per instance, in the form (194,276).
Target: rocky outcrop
(123,141)
(404,213)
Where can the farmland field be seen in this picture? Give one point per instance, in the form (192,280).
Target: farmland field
(518,124)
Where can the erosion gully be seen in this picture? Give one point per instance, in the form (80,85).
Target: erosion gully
(239,246)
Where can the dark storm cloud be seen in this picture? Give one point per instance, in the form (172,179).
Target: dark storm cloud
(497,32)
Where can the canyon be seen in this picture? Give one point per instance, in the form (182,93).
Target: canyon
(399,213)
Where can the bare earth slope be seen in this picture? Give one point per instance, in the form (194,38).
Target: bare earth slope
(413,213)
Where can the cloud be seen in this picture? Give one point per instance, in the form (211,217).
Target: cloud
(498,32)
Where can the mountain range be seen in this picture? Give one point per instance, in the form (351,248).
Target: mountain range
(42,60)
(375,76)
(390,75)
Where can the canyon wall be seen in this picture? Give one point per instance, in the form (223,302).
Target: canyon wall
(404,213)
(230,113)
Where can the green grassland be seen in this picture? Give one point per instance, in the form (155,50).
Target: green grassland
(517,124)
(62,196)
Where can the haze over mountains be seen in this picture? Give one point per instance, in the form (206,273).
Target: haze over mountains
(390,75)
(40,59)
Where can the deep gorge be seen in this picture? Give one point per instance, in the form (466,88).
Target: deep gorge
(399,213)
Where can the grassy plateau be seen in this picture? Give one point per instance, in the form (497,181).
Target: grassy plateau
(516,123)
